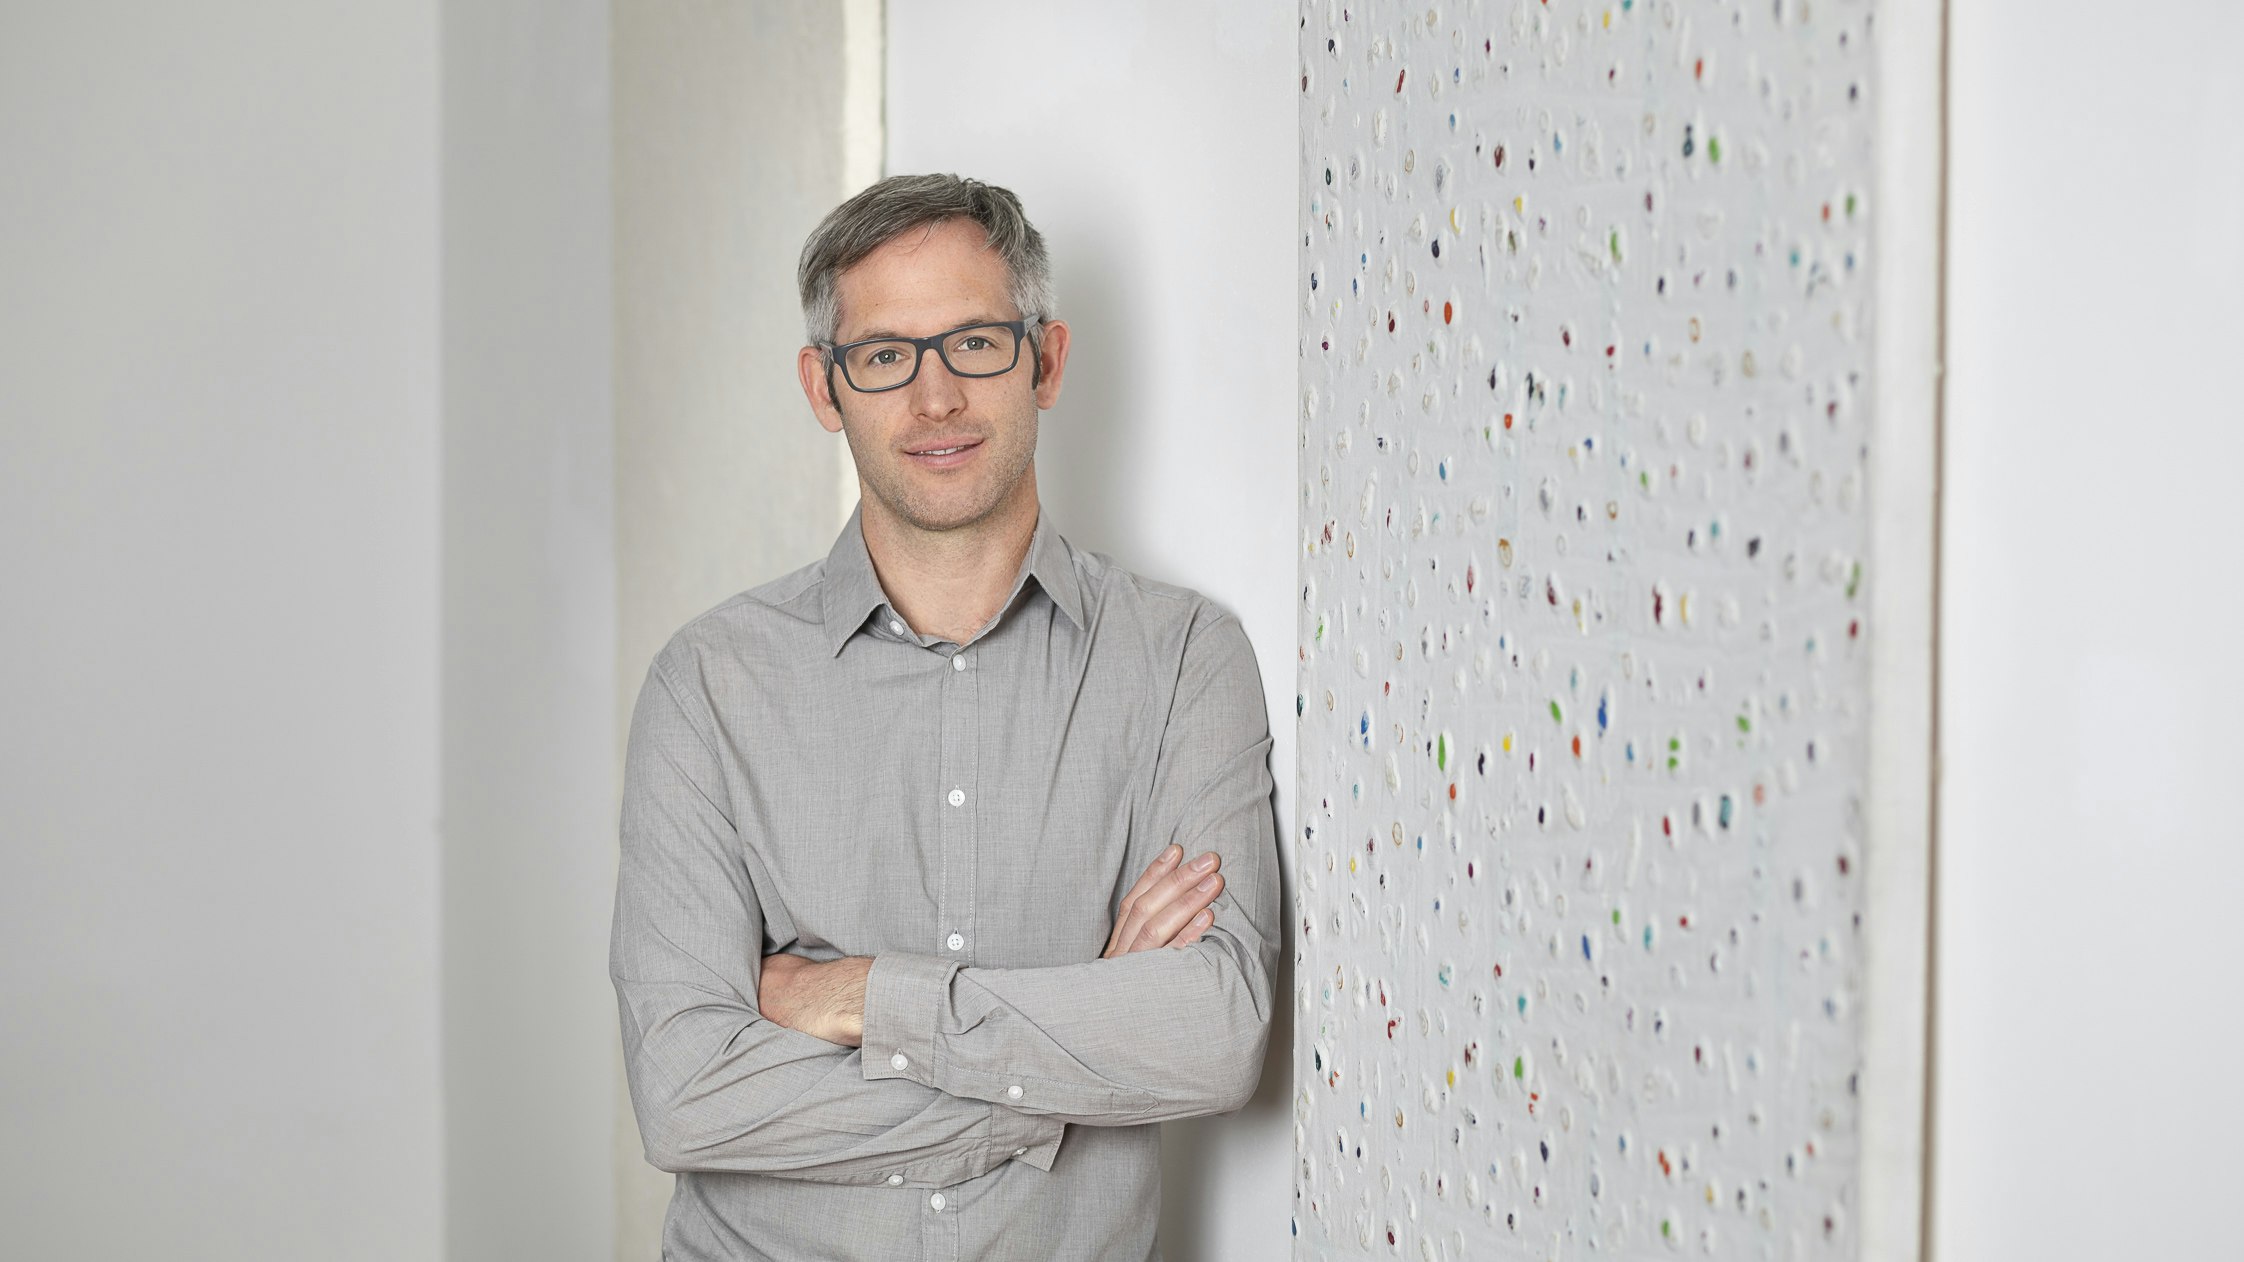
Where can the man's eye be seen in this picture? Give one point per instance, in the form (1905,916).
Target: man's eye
(975,342)
(883,357)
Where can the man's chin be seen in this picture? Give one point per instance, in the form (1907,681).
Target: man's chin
(939,514)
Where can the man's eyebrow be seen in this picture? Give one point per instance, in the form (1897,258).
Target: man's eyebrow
(968,323)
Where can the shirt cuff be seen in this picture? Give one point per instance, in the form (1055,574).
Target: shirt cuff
(903,994)
(1026,1137)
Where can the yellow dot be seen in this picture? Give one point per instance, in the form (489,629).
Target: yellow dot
(1519,204)
(1507,742)
(1455,224)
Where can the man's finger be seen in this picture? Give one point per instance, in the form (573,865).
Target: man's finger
(1154,871)
(1162,925)
(1129,927)
(1163,863)
(1194,927)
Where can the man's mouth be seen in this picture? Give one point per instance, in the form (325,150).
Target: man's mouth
(944,453)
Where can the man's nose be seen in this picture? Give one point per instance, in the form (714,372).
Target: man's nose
(934,390)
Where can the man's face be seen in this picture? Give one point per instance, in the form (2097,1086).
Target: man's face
(927,281)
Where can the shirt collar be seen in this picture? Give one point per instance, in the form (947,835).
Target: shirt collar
(851,590)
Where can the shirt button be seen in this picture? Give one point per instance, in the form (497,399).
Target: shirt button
(956,941)
(935,1202)
(958,797)
(895,627)
(1013,1092)
(898,1061)
(959,662)
(897,1180)
(1020,1152)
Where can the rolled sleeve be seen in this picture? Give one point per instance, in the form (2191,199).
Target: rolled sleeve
(903,995)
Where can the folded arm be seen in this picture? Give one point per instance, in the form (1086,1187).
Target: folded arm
(1145,1037)
(714,1085)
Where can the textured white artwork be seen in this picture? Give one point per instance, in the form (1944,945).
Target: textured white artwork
(1583,682)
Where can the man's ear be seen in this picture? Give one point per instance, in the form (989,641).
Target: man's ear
(1051,362)
(816,374)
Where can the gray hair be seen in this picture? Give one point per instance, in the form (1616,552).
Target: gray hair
(901,203)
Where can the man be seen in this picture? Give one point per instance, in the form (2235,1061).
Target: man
(948,861)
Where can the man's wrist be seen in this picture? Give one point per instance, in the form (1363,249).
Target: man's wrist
(849,999)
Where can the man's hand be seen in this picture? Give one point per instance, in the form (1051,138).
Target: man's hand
(825,1001)
(1169,906)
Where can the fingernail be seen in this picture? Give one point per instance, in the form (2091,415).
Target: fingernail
(1204,862)
(1172,854)
(1207,885)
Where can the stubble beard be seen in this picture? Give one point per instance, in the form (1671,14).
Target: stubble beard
(1006,454)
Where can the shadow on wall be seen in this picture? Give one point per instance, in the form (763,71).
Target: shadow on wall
(1091,472)
(1086,449)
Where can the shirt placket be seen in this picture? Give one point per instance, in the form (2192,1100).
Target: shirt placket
(962,809)
(961,710)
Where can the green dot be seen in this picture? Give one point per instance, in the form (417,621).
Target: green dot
(1713,149)
(1556,717)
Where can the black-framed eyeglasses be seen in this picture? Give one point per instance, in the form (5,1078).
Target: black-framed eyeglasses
(889,363)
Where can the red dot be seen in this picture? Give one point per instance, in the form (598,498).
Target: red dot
(1447,311)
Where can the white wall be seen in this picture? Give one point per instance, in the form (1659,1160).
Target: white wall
(1153,145)
(219,684)
(2085,1095)
(529,630)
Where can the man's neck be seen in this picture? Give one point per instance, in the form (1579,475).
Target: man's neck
(949,583)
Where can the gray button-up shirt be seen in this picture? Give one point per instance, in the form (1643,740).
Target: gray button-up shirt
(808,774)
